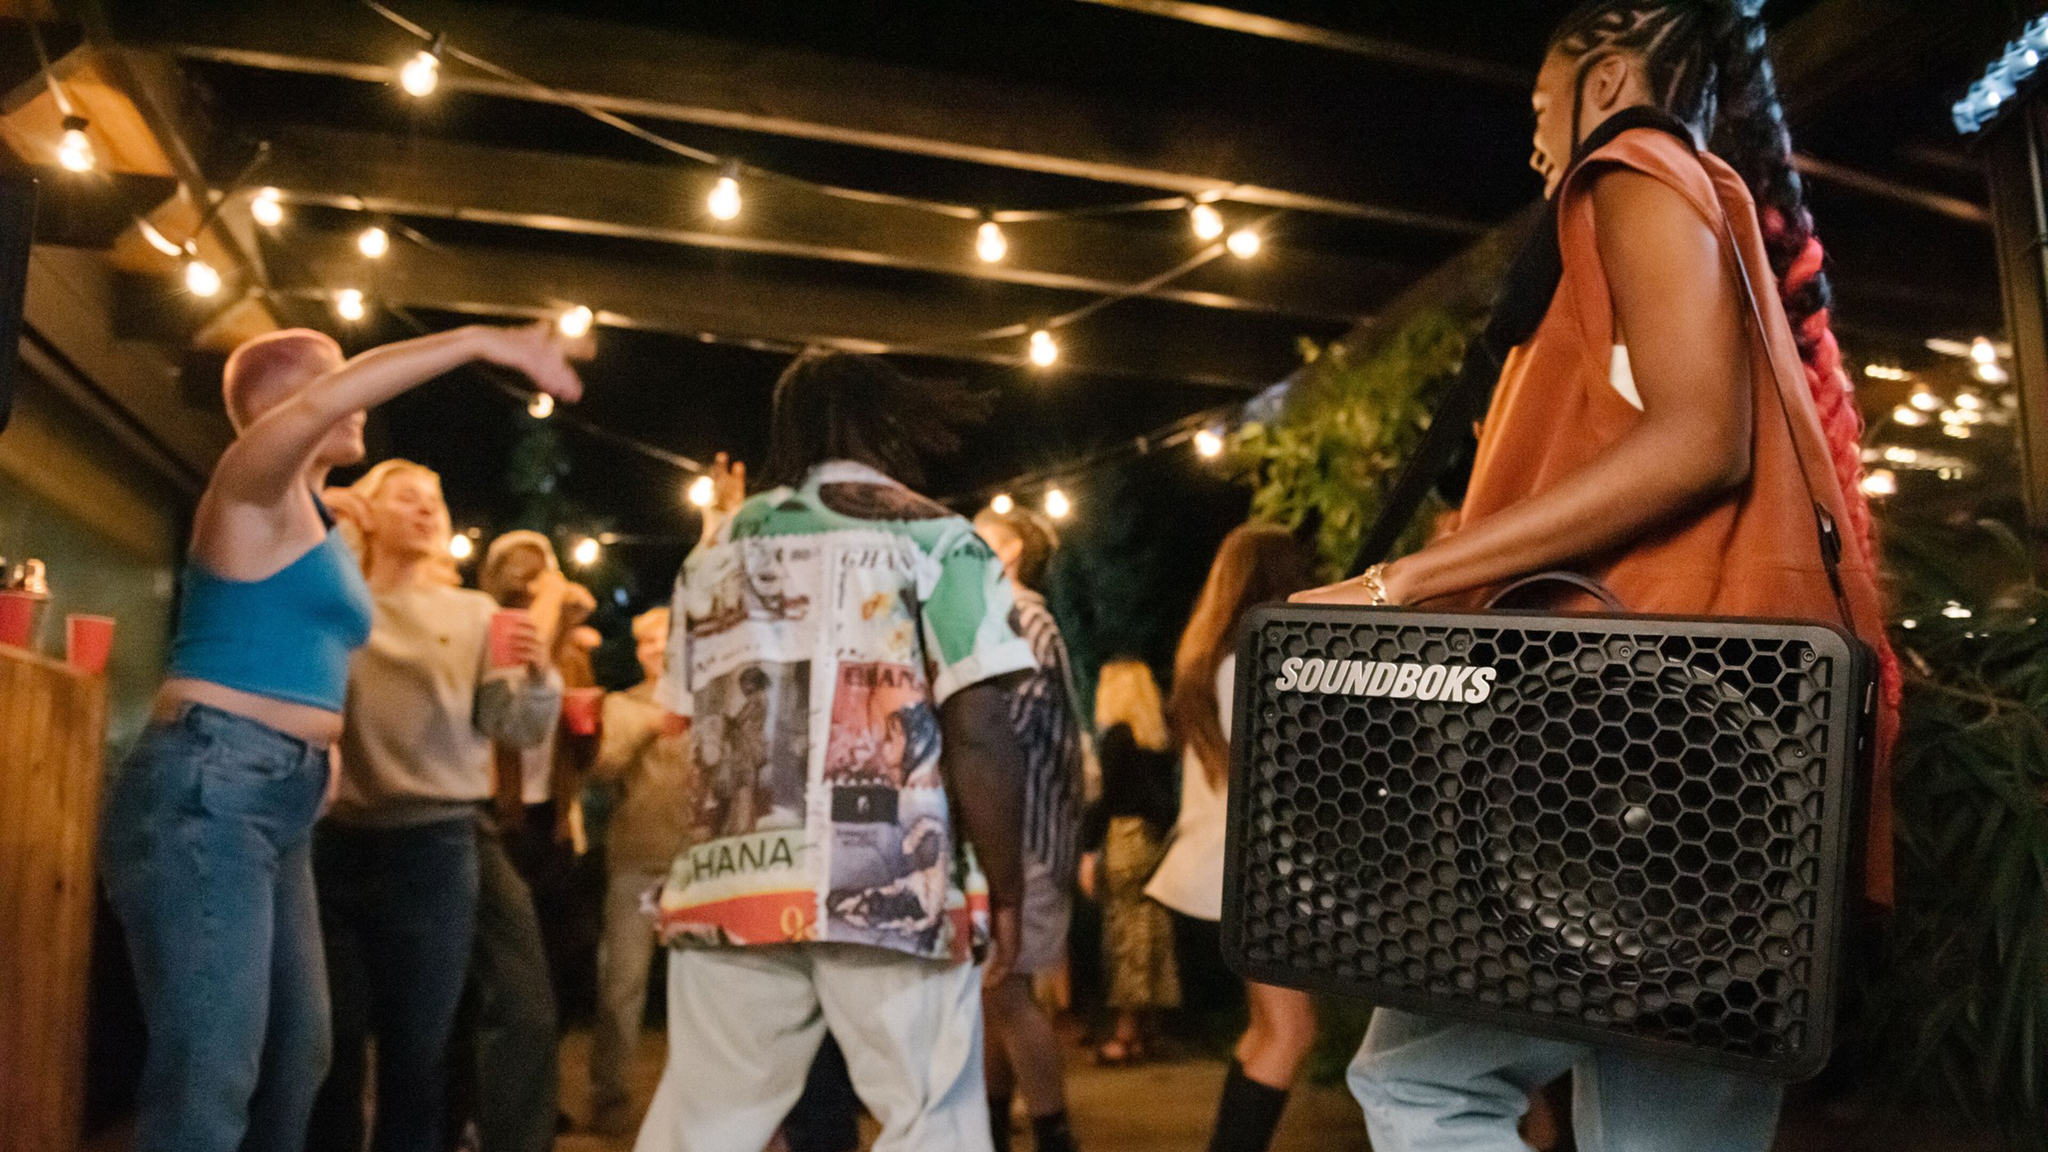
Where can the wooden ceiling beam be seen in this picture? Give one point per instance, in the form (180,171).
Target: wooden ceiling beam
(635,70)
(721,300)
(579,195)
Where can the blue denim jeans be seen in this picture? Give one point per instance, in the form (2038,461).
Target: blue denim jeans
(204,851)
(398,909)
(1431,1085)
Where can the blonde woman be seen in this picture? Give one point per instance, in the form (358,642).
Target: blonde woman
(1127,833)
(396,858)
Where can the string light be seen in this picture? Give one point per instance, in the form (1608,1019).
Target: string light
(1057,505)
(1206,221)
(575,323)
(1243,243)
(1909,416)
(201,279)
(1900,455)
(74,147)
(1044,350)
(1959,431)
(348,304)
(1885,372)
(1983,351)
(157,240)
(702,492)
(541,406)
(1969,401)
(1924,400)
(267,207)
(1208,444)
(724,201)
(422,74)
(989,242)
(1002,504)
(1880,482)
(584,552)
(1990,372)
(374,242)
(461,547)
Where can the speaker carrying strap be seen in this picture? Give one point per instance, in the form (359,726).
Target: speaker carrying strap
(1473,388)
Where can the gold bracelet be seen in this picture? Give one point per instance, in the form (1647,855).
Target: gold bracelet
(1374,578)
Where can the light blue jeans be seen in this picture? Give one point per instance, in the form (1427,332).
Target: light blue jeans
(205,854)
(1430,1085)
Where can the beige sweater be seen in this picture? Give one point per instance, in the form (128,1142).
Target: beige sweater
(424,706)
(653,775)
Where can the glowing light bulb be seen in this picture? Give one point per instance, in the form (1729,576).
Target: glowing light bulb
(584,553)
(461,547)
(1243,243)
(724,201)
(374,242)
(1057,505)
(575,323)
(1898,455)
(1884,372)
(1208,443)
(1983,351)
(1909,416)
(1959,431)
(1924,400)
(1990,373)
(74,147)
(702,492)
(1002,504)
(200,278)
(541,406)
(1969,401)
(1044,350)
(1206,221)
(989,242)
(348,304)
(267,208)
(421,74)
(1880,482)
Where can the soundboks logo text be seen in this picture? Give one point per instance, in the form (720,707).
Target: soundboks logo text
(1379,678)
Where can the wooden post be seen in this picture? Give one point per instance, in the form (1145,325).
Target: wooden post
(52,729)
(2012,158)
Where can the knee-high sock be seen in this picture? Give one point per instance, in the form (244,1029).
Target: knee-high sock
(1247,1114)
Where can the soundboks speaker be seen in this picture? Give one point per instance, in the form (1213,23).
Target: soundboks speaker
(1627,830)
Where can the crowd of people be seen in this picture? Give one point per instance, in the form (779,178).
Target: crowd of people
(853,795)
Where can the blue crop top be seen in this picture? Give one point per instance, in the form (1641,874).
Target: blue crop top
(287,636)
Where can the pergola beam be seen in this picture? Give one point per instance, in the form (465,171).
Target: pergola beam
(635,70)
(745,303)
(557,192)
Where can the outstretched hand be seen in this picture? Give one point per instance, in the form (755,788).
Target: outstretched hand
(542,353)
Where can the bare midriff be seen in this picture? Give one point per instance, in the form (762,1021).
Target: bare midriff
(308,723)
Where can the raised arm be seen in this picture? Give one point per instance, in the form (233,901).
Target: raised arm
(1676,301)
(262,465)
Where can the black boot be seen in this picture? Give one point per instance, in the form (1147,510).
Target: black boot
(1049,1133)
(1247,1114)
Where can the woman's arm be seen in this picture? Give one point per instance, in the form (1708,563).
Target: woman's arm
(1676,299)
(263,463)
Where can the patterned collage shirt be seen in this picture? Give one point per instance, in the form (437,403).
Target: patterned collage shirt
(813,640)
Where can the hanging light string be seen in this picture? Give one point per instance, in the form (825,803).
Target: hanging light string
(860,195)
(1170,435)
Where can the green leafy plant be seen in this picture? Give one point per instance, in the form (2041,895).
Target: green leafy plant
(1959,1009)
(1346,427)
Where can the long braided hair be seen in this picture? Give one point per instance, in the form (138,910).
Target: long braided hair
(1705,63)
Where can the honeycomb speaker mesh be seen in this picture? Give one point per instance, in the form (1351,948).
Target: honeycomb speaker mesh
(1622,829)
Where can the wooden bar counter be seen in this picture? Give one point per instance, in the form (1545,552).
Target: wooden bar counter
(52,733)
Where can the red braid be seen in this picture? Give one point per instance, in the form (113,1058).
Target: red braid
(1834,400)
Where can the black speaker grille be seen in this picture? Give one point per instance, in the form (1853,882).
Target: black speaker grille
(1634,834)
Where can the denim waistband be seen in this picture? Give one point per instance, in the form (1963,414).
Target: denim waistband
(251,734)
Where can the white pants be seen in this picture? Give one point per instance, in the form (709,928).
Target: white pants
(625,951)
(744,1024)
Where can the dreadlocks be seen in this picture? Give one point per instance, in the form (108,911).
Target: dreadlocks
(1704,63)
(848,406)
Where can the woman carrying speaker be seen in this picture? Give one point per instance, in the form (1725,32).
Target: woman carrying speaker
(1653,432)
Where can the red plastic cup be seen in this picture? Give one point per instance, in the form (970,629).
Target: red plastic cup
(17,618)
(504,624)
(88,640)
(580,709)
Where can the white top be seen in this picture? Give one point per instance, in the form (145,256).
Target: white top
(1623,377)
(1190,877)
